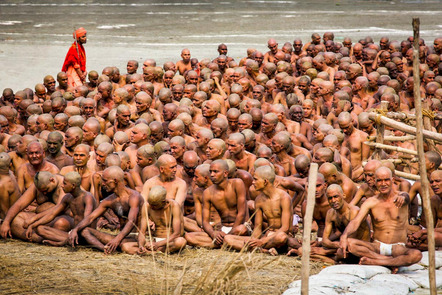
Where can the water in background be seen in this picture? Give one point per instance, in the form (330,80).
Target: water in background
(35,35)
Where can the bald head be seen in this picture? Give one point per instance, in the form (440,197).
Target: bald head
(265,172)
(73,177)
(157,196)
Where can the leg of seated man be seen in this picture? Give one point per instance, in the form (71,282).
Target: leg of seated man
(18,230)
(236,242)
(96,238)
(52,236)
(200,239)
(369,253)
(190,225)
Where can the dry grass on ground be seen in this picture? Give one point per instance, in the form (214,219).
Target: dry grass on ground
(29,268)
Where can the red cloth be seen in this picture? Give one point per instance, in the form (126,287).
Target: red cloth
(73,60)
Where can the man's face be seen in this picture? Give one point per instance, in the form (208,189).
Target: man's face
(59,124)
(136,136)
(69,139)
(67,186)
(141,105)
(63,81)
(142,161)
(168,114)
(303,86)
(88,134)
(208,111)
(81,157)
(257,94)
(177,150)
(243,124)
(100,157)
(190,167)
(307,110)
(321,186)
(233,122)
(347,128)
(436,184)
(185,55)
(335,199)
(234,147)
(212,151)
(50,84)
(35,155)
(367,127)
(217,175)
(168,170)
(258,182)
(297,114)
(131,68)
(157,134)
(54,145)
(199,179)
(88,109)
(369,177)
(297,46)
(267,126)
(222,50)
(108,183)
(384,183)
(124,118)
(273,47)
(41,125)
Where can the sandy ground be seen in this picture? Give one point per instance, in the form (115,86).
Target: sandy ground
(29,268)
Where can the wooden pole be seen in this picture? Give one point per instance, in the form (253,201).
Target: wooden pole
(422,170)
(407,175)
(391,148)
(404,127)
(307,224)
(392,138)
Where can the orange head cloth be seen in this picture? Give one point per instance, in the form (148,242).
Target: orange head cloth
(80,32)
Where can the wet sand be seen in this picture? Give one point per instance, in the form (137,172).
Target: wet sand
(35,35)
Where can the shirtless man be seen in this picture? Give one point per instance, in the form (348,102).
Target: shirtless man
(202,138)
(72,138)
(140,135)
(279,145)
(389,216)
(368,188)
(419,239)
(202,181)
(124,202)
(122,122)
(273,205)
(321,206)
(236,152)
(176,187)
(37,163)
(354,140)
(268,126)
(270,55)
(81,157)
(216,148)
(46,191)
(162,219)
(19,156)
(55,155)
(78,201)
(184,65)
(337,219)
(228,196)
(333,176)
(10,191)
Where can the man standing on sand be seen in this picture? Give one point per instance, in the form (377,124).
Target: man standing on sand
(75,62)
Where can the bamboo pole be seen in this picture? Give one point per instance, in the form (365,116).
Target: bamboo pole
(404,116)
(407,175)
(422,170)
(391,148)
(307,224)
(404,127)
(392,138)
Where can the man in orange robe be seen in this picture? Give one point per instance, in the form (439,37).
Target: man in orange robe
(75,62)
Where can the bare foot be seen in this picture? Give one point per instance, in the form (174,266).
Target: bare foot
(367,261)
(273,252)
(53,243)
(293,252)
